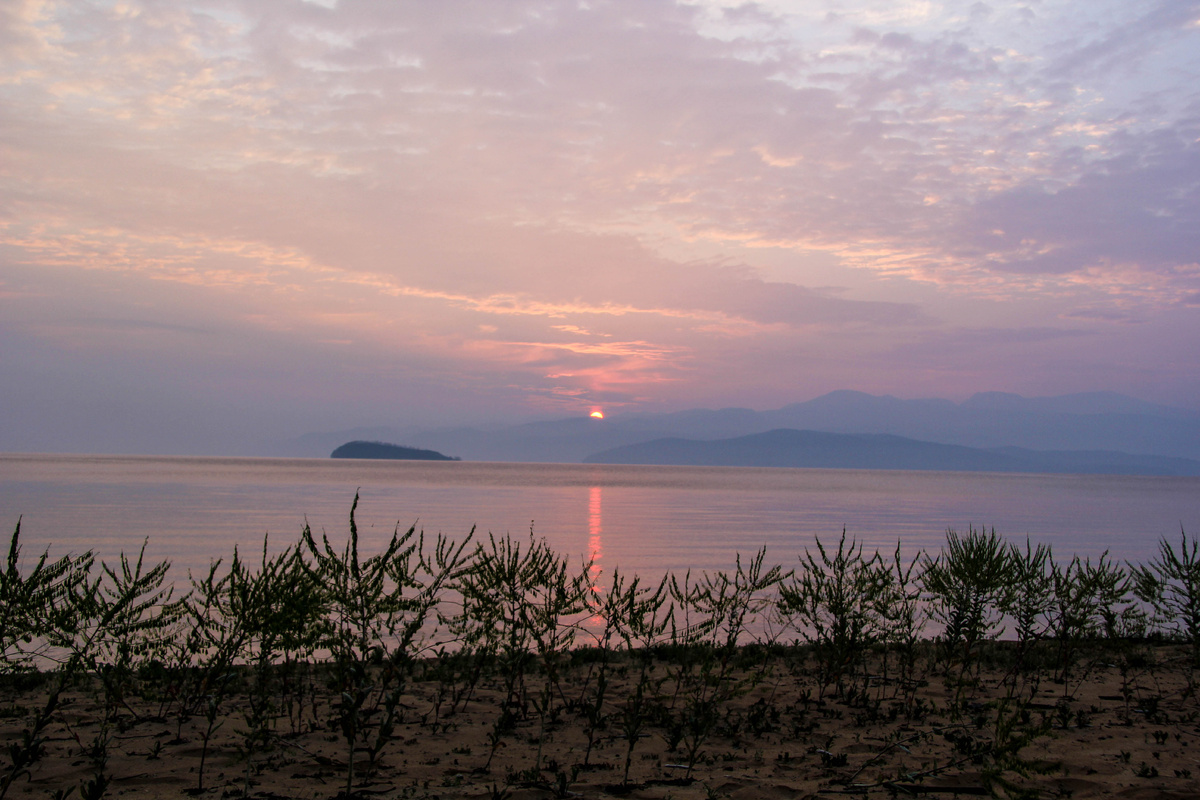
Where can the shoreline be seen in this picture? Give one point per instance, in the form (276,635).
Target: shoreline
(1100,735)
(430,668)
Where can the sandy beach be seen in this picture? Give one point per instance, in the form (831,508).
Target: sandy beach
(1101,734)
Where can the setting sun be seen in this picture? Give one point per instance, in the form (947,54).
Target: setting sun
(597,414)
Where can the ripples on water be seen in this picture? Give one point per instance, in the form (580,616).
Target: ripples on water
(644,519)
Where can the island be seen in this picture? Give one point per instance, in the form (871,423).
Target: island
(361,449)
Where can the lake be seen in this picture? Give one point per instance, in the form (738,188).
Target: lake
(644,519)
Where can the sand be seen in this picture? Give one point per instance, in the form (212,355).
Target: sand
(1102,735)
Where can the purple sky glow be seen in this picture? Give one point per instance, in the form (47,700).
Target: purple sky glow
(225,221)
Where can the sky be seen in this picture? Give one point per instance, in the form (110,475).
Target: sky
(224,222)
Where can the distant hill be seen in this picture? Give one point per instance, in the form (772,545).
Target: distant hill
(801,448)
(1095,421)
(360,449)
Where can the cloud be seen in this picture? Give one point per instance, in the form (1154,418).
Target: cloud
(570,200)
(1126,46)
(1138,206)
(616,116)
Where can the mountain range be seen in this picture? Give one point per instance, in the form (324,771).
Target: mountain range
(1096,421)
(792,448)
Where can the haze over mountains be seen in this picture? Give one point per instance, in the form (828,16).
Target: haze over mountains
(1097,421)
(786,447)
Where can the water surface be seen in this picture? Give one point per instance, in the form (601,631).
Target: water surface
(645,519)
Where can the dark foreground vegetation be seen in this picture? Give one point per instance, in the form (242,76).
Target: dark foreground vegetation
(495,668)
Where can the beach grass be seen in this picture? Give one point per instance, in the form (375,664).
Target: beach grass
(497,667)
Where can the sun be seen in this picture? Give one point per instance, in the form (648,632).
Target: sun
(597,414)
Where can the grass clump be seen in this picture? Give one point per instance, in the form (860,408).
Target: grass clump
(366,653)
(837,601)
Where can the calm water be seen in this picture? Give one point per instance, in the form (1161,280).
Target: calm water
(644,519)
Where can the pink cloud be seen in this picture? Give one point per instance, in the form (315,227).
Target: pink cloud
(566,200)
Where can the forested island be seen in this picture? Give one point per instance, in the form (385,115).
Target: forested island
(361,449)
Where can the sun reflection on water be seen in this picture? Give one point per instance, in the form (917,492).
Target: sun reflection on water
(595,546)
